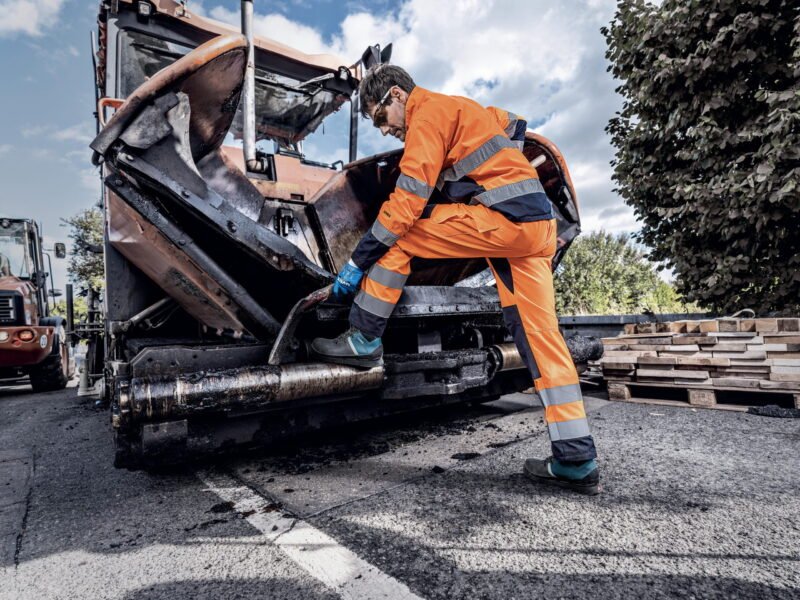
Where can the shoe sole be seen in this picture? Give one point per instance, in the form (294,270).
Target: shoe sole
(350,362)
(588,490)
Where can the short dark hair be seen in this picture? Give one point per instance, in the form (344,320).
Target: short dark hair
(378,80)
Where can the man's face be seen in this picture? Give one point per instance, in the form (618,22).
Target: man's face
(390,116)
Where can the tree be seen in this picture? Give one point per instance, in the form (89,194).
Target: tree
(80,308)
(86,260)
(708,144)
(606,274)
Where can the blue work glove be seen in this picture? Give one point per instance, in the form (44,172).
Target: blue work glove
(347,281)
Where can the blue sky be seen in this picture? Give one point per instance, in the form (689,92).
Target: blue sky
(541,59)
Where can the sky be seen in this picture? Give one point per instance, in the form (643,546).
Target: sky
(541,59)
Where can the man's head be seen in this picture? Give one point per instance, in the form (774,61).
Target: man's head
(384,92)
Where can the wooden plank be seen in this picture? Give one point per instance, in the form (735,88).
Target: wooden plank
(630,328)
(728,348)
(677,326)
(640,339)
(745,370)
(695,383)
(767,388)
(783,354)
(766,325)
(658,360)
(613,359)
(704,398)
(751,363)
(709,326)
(776,347)
(622,347)
(683,374)
(703,340)
(649,347)
(791,324)
(781,338)
(728,324)
(692,326)
(784,362)
(779,385)
(741,355)
(622,366)
(782,376)
(783,369)
(735,382)
(750,336)
(652,380)
(747,325)
(628,354)
(618,391)
(702,361)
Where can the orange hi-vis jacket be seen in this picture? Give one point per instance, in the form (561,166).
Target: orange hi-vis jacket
(456,151)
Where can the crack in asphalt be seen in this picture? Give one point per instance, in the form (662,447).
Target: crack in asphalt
(24,527)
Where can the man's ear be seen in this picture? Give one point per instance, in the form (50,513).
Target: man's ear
(399,94)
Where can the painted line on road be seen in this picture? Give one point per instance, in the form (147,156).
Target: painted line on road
(317,553)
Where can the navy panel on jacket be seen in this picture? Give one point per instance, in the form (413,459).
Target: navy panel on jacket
(526,208)
(368,251)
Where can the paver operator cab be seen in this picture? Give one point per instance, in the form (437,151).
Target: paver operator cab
(217,266)
(33,343)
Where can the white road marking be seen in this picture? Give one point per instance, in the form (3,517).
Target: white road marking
(316,552)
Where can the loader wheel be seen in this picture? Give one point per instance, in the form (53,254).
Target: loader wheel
(52,373)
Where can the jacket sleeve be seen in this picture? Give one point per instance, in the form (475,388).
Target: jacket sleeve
(420,166)
(514,125)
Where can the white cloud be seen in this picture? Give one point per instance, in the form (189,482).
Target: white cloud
(80,132)
(76,133)
(90,179)
(29,17)
(5,149)
(34,130)
(277,27)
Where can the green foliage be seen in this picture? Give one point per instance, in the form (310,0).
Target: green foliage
(79,307)
(606,274)
(708,144)
(86,263)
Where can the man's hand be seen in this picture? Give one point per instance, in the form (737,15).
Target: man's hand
(347,281)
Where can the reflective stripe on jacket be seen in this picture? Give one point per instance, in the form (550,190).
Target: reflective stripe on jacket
(470,153)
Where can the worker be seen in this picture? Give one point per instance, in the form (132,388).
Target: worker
(498,210)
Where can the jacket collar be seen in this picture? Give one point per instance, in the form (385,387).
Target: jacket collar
(417,97)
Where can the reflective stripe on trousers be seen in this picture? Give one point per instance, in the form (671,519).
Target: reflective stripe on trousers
(520,255)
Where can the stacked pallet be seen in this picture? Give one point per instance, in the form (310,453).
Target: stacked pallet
(759,356)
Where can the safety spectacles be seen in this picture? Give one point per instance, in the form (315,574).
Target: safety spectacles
(380,121)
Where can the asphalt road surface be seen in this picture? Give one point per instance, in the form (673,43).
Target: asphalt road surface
(696,504)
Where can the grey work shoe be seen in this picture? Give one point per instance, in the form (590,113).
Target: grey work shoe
(585,478)
(351,348)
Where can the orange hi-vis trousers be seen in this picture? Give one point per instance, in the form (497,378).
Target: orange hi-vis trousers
(520,256)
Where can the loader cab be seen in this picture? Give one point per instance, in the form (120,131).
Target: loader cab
(22,262)
(17,250)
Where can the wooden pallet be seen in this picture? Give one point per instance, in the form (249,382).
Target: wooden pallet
(698,397)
